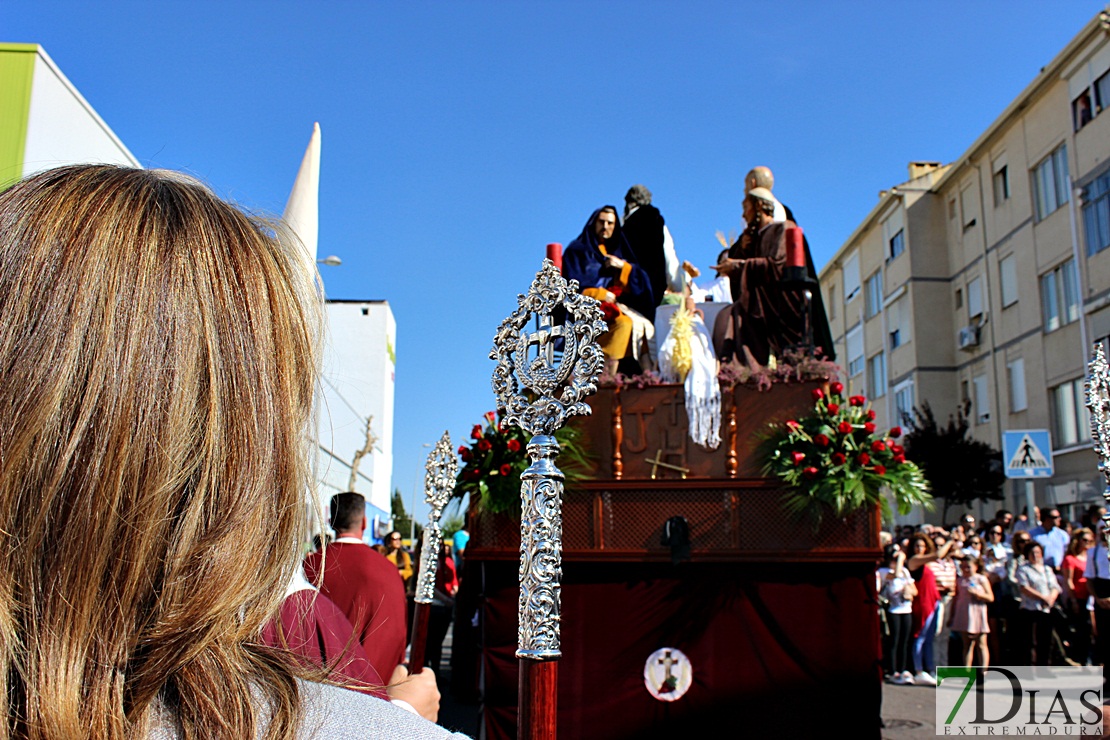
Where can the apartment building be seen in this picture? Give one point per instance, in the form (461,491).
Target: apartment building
(987,279)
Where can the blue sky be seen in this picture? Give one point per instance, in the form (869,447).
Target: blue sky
(460,137)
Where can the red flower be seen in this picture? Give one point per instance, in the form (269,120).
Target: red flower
(476,432)
(878,446)
(462,449)
(792,425)
(838,458)
(464,453)
(798,457)
(471,474)
(898,449)
(863,458)
(834,408)
(506,469)
(899,459)
(896,432)
(810,472)
(490,416)
(879,470)
(513,445)
(857,400)
(484,445)
(844,428)
(871,414)
(869,427)
(821,440)
(837,388)
(818,394)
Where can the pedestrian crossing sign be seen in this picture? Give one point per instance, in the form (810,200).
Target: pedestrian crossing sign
(1027,453)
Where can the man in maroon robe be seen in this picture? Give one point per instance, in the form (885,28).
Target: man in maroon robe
(363,584)
(766,317)
(313,628)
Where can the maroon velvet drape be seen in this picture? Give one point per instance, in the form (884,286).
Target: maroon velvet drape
(779,650)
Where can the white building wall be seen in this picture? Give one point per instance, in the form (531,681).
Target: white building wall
(358,381)
(62,128)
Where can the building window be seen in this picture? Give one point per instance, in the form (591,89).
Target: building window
(1001,180)
(981,401)
(1007,270)
(1070,420)
(903,401)
(952,209)
(832,302)
(968,206)
(1081,110)
(851,277)
(1050,182)
(898,243)
(876,376)
(874,295)
(1102,91)
(898,322)
(854,340)
(959,298)
(1060,296)
(1096,214)
(1015,375)
(975,298)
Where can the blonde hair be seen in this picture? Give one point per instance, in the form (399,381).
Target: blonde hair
(158,353)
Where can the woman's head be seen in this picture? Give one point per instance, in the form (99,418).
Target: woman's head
(1081,539)
(920,544)
(159,358)
(1034,553)
(394,540)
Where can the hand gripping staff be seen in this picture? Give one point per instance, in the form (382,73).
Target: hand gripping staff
(541,379)
(439,482)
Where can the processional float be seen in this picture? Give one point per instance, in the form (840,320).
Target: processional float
(1098,403)
(439,482)
(542,378)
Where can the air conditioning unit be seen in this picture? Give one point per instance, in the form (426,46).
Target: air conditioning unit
(969,337)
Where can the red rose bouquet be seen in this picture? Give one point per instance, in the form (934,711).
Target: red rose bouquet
(496,457)
(834,463)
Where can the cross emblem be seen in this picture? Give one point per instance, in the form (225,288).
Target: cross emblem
(669,680)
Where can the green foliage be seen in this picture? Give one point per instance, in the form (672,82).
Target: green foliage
(834,464)
(402,521)
(959,469)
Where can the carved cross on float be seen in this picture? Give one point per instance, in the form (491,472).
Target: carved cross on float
(539,395)
(439,482)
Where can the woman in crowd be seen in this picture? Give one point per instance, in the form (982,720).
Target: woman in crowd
(896,585)
(996,558)
(926,606)
(968,615)
(1039,591)
(1075,587)
(159,354)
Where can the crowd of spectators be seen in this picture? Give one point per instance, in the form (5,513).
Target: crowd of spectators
(1005,589)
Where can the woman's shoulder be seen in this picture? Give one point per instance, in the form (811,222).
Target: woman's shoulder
(333,713)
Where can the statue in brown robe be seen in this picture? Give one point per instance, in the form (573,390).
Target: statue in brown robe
(765,317)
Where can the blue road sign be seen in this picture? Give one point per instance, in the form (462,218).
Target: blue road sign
(1027,453)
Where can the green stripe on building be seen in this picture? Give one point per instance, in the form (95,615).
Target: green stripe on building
(17,70)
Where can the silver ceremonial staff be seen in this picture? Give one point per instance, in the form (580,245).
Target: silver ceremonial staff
(439,482)
(555,380)
(1098,403)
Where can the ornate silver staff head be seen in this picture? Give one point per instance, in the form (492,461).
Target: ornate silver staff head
(555,384)
(439,482)
(1098,403)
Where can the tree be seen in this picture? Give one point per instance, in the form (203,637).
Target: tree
(959,469)
(402,522)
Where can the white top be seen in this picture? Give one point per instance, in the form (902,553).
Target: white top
(894,590)
(332,713)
